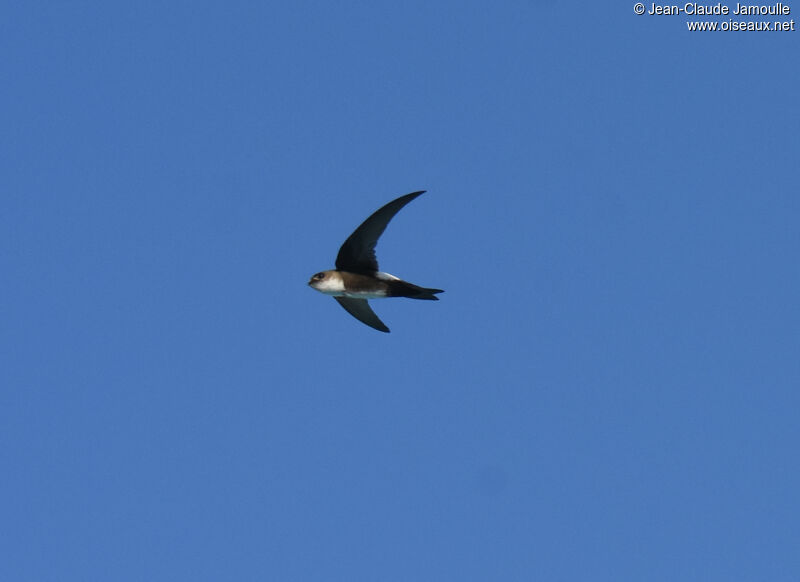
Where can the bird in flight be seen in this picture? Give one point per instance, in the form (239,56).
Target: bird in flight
(357,278)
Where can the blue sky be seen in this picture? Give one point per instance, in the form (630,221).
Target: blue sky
(607,390)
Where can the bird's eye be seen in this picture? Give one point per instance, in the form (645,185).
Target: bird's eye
(319,276)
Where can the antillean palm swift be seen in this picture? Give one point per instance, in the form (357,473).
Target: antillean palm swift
(357,278)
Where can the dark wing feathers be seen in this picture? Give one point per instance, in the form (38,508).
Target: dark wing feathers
(360,309)
(357,254)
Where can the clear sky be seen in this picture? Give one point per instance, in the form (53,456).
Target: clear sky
(608,389)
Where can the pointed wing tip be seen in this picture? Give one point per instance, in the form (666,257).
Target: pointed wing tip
(382,327)
(360,309)
(357,253)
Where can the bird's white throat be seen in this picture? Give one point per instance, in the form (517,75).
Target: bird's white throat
(330,285)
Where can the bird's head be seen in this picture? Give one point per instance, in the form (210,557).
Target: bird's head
(328,282)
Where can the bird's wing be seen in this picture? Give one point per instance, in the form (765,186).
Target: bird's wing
(357,254)
(360,309)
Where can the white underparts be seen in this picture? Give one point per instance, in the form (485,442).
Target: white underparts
(365,294)
(330,286)
(333,285)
